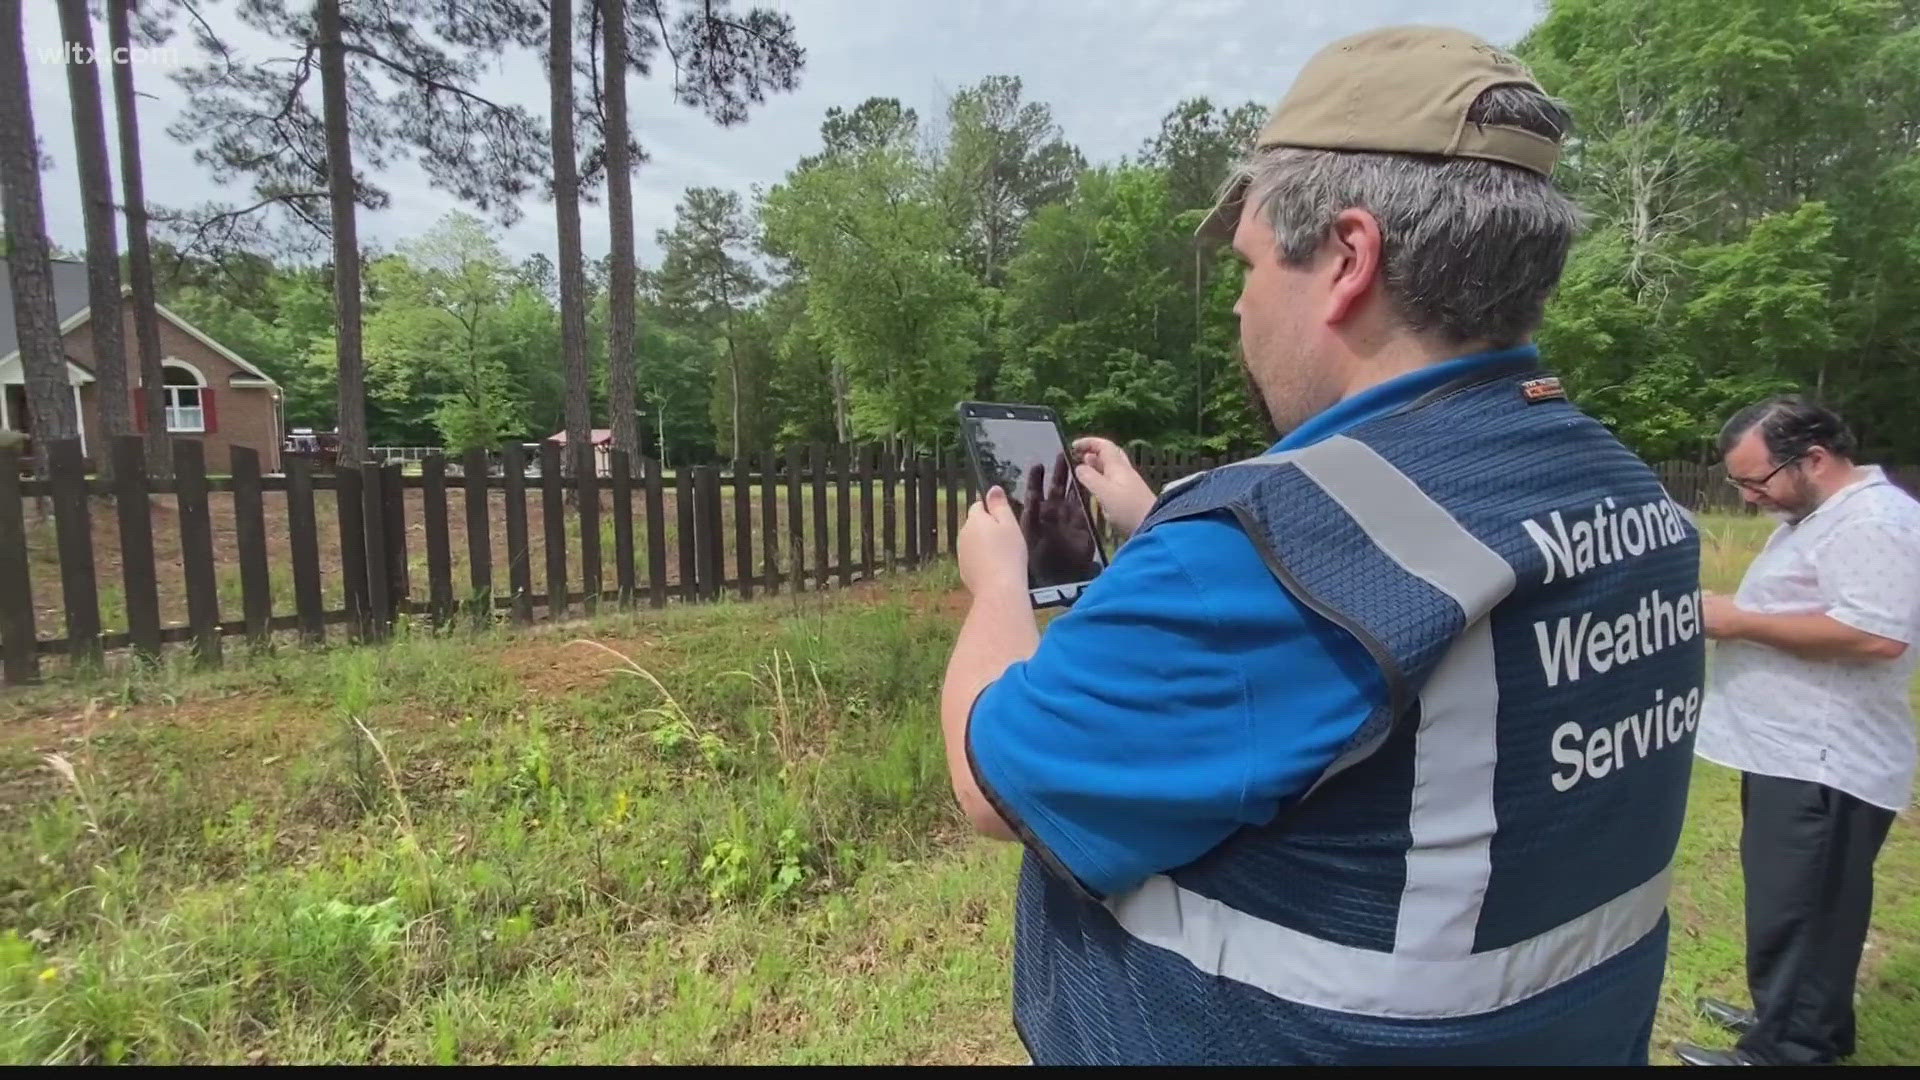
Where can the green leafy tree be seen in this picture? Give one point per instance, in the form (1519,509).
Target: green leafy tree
(1004,159)
(706,282)
(1724,149)
(675,385)
(883,291)
(1103,328)
(435,334)
(1197,143)
(744,404)
(808,392)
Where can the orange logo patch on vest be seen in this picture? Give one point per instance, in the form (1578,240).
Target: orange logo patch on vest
(1546,388)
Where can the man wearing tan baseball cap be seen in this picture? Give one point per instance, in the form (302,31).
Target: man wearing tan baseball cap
(1373,748)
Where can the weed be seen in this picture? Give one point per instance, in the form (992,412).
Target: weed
(738,868)
(64,769)
(675,731)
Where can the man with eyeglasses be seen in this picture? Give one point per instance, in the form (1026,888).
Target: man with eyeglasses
(1809,701)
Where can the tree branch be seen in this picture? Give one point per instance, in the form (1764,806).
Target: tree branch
(303,69)
(289,199)
(666,42)
(423,78)
(729,22)
(207,34)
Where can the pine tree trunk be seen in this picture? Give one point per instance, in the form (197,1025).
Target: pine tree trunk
(50,405)
(111,390)
(352,413)
(146,324)
(566,202)
(620,315)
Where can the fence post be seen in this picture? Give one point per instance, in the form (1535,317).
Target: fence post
(686,543)
(656,532)
(710,552)
(73,533)
(586,487)
(19,645)
(817,465)
(132,504)
(866,454)
(353,548)
(743,522)
(250,540)
(769,519)
(950,479)
(929,510)
(196,548)
(304,541)
(513,485)
(910,509)
(553,525)
(393,492)
(433,512)
(843,512)
(473,466)
(373,520)
(887,484)
(796,521)
(621,464)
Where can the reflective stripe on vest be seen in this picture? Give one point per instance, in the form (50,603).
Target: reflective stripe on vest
(1433,971)
(1312,971)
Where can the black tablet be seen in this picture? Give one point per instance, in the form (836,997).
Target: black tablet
(1023,449)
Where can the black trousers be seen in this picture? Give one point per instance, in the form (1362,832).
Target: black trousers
(1807,852)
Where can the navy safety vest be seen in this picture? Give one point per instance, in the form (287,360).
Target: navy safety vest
(1481,875)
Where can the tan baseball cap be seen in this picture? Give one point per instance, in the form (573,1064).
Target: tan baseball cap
(1402,89)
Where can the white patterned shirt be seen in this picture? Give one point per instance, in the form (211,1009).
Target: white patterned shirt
(1847,724)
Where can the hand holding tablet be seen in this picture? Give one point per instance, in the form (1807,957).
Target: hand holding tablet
(1020,448)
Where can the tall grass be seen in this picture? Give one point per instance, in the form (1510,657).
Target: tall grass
(296,869)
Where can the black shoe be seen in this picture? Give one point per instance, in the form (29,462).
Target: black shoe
(1690,1054)
(1732,1017)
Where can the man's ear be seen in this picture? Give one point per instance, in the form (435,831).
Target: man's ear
(1356,250)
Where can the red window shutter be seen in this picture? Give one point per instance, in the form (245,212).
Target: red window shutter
(206,409)
(139,410)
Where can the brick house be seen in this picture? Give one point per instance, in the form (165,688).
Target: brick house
(212,393)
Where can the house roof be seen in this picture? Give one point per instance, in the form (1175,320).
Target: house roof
(69,299)
(597,437)
(72,306)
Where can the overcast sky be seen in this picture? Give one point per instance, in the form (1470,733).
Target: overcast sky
(1109,68)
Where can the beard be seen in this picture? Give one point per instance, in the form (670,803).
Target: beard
(1805,499)
(1802,499)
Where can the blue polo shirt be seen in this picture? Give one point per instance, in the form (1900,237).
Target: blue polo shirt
(1186,694)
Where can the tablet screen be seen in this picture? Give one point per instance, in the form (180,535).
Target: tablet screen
(1027,458)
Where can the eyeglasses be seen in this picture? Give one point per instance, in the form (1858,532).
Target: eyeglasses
(1759,487)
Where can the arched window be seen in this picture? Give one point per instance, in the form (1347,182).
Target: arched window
(186,396)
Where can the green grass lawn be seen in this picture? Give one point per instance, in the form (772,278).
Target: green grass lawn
(732,842)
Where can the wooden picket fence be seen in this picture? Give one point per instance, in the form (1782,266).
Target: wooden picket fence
(850,513)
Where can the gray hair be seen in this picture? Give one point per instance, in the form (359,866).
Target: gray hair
(1471,248)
